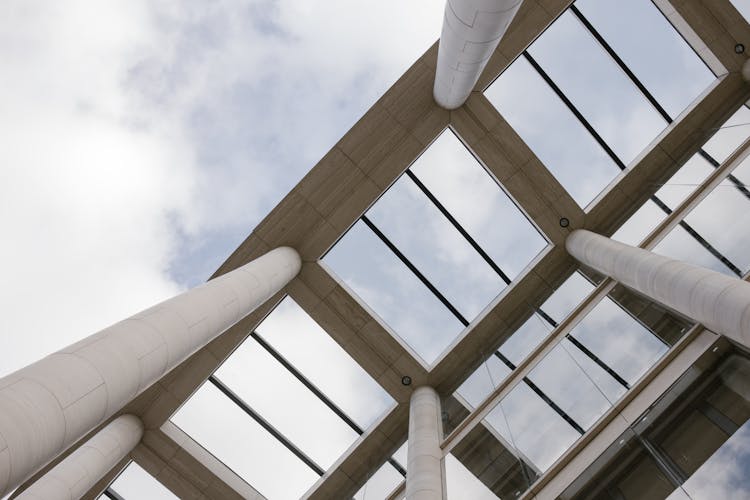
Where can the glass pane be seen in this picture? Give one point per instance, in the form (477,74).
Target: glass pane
(320,359)
(640,224)
(680,245)
(269,389)
(563,145)
(418,229)
(532,427)
(659,57)
(134,483)
(393,292)
(221,427)
(568,385)
(462,484)
(597,87)
(474,198)
(743,6)
(381,484)
(731,134)
(618,340)
(720,219)
(483,381)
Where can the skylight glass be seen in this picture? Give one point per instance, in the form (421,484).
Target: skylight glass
(135,483)
(552,131)
(289,363)
(658,56)
(461,483)
(417,265)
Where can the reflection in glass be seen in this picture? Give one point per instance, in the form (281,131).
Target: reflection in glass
(693,443)
(597,87)
(393,292)
(275,473)
(134,482)
(563,145)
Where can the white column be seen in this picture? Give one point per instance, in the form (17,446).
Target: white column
(719,302)
(82,469)
(424,469)
(471,31)
(47,406)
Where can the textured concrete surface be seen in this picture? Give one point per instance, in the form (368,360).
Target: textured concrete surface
(719,302)
(424,469)
(82,469)
(472,29)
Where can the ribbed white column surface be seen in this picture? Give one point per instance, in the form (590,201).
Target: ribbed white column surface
(424,471)
(47,406)
(471,31)
(719,302)
(82,469)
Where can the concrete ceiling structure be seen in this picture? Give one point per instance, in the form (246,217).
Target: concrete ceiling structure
(353,176)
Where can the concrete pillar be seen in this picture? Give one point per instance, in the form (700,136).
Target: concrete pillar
(424,469)
(82,469)
(49,405)
(719,302)
(471,31)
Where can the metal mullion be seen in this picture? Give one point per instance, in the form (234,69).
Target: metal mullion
(505,278)
(702,241)
(320,394)
(266,425)
(646,93)
(539,392)
(112,494)
(414,270)
(458,226)
(460,317)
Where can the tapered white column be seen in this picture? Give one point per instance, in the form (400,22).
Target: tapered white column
(82,469)
(49,405)
(719,302)
(471,31)
(424,469)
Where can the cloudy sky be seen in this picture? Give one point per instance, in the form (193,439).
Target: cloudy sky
(143,141)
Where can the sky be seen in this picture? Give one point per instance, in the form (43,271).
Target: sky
(145,140)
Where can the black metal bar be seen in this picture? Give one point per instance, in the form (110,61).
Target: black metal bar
(458,226)
(320,394)
(266,425)
(542,395)
(604,366)
(574,110)
(414,269)
(648,95)
(112,494)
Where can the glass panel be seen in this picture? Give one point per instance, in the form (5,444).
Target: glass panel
(462,484)
(418,229)
(743,6)
(680,245)
(733,133)
(562,144)
(269,389)
(134,483)
(220,426)
(319,358)
(532,427)
(567,384)
(381,484)
(640,224)
(731,236)
(597,87)
(483,381)
(659,57)
(619,340)
(393,292)
(473,197)
(486,455)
